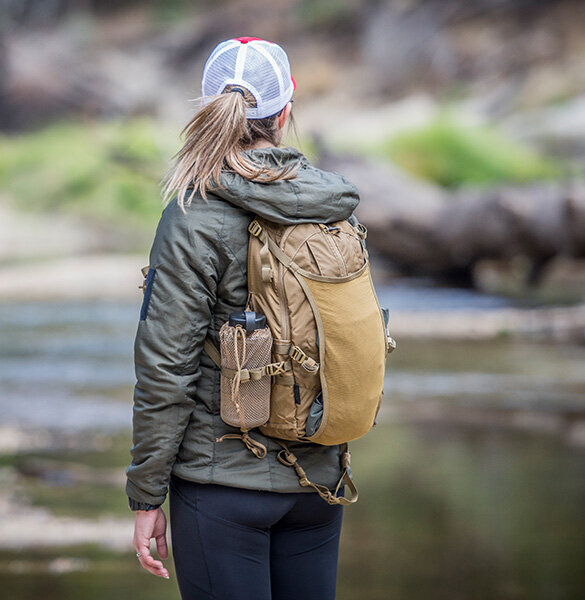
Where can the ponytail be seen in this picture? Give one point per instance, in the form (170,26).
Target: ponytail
(213,140)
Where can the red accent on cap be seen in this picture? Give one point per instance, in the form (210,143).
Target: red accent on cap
(294,83)
(245,40)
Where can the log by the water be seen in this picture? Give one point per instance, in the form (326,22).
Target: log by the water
(423,230)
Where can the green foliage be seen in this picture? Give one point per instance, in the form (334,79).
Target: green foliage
(105,171)
(169,11)
(319,13)
(108,171)
(96,573)
(84,499)
(304,144)
(452,154)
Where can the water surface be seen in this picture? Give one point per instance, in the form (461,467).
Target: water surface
(472,485)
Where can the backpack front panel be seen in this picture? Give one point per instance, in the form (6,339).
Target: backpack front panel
(352,357)
(335,321)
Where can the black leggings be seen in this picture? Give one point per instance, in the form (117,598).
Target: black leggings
(236,544)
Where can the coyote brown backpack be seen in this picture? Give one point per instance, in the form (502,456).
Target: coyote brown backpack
(329,341)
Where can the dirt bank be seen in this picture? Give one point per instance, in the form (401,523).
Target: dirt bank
(96,276)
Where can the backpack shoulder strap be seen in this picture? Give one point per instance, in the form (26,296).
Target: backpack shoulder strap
(213,352)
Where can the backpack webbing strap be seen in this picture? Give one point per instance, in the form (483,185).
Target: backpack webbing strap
(257,449)
(265,269)
(308,363)
(271,370)
(297,354)
(286,457)
(213,352)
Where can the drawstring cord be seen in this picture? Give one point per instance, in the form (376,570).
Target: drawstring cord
(239,333)
(258,450)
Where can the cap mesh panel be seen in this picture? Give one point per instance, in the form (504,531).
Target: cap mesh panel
(266,70)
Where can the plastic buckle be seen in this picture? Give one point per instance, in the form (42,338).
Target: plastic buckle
(298,355)
(362,230)
(266,274)
(255,228)
(275,369)
(310,365)
(284,457)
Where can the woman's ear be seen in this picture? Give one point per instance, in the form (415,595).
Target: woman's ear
(283,116)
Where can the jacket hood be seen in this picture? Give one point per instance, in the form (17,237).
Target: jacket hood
(313,195)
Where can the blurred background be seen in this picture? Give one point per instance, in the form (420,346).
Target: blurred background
(463,125)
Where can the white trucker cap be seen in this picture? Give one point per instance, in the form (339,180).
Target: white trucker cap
(260,66)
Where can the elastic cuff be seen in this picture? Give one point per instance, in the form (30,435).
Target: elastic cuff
(135,505)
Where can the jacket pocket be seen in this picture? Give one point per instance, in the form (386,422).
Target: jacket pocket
(147,288)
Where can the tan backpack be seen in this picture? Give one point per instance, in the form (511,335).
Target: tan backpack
(329,343)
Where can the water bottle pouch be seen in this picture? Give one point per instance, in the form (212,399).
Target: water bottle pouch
(245,376)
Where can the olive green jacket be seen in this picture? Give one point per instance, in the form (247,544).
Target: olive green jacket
(197,278)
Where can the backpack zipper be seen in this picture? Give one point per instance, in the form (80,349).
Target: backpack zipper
(284,312)
(333,245)
(297,393)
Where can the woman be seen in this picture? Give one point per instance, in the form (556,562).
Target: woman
(241,527)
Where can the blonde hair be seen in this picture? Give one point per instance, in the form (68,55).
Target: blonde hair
(213,141)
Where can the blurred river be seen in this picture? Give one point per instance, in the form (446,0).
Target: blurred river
(72,361)
(472,484)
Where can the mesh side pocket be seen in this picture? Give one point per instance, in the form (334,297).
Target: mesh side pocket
(244,403)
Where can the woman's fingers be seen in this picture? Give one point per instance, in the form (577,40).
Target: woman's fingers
(159,532)
(161,546)
(152,565)
(151,524)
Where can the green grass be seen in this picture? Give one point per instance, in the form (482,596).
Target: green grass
(82,500)
(171,11)
(113,453)
(452,154)
(107,171)
(77,499)
(101,574)
(327,13)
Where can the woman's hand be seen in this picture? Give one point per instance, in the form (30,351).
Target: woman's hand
(151,524)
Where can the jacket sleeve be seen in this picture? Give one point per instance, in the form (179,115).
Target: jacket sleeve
(176,312)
